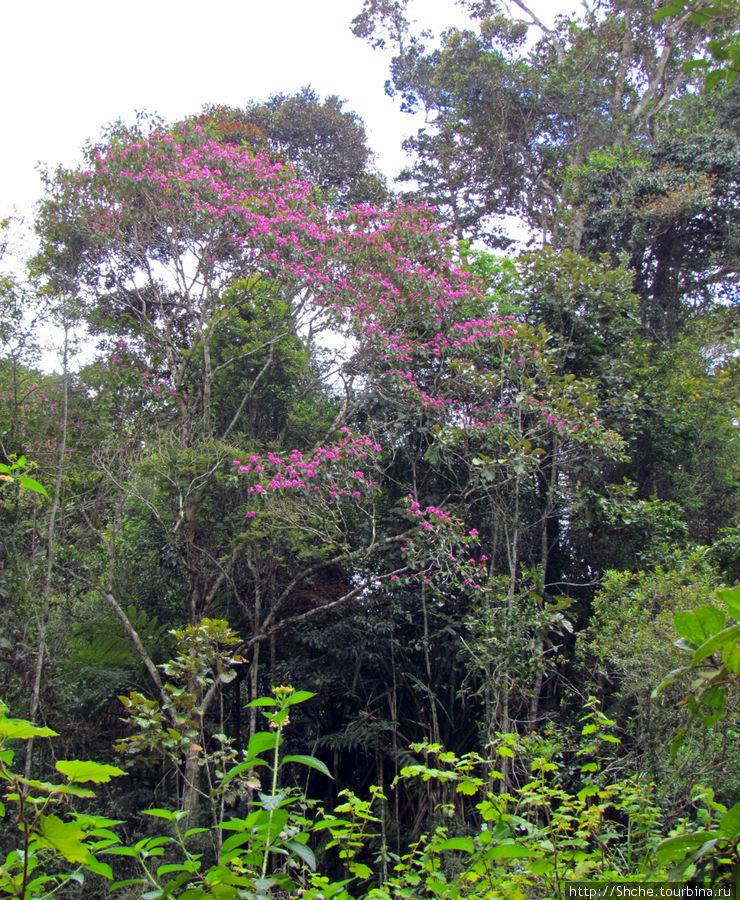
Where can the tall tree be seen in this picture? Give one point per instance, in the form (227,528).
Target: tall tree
(326,143)
(514,105)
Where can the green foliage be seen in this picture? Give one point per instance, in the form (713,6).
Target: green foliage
(172,727)
(714,648)
(56,846)
(531,840)
(707,848)
(14,473)
(102,659)
(264,851)
(511,104)
(588,444)
(567,819)
(626,651)
(720,19)
(326,143)
(675,193)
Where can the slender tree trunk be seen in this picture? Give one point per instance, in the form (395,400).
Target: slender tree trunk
(50,553)
(513,556)
(436,736)
(539,643)
(207,387)
(191,792)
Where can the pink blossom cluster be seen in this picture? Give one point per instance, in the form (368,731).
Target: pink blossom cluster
(389,275)
(337,470)
(437,556)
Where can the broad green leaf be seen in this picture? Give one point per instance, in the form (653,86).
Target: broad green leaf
(20,729)
(31,484)
(587,791)
(699,625)
(467,787)
(304,852)
(87,770)
(714,78)
(729,824)
(719,641)
(168,868)
(261,701)
(712,619)
(66,838)
(665,11)
(715,697)
(263,740)
(679,847)
(51,788)
(731,658)
(689,627)
(360,870)
(99,868)
(272,827)
(309,761)
(541,866)
(299,697)
(242,767)
(511,851)
(168,814)
(458,843)
(123,851)
(236,840)
(731,597)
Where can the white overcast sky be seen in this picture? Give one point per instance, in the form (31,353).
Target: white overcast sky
(69,68)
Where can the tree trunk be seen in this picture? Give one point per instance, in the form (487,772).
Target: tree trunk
(50,553)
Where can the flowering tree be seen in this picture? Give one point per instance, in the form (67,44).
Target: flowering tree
(211,272)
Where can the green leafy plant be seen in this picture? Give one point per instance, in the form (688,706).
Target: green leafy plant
(563,823)
(265,850)
(705,848)
(15,472)
(714,647)
(724,48)
(709,847)
(172,726)
(55,844)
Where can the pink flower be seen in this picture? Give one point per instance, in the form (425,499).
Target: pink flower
(251,514)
